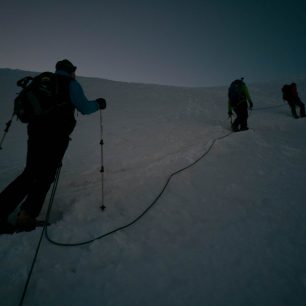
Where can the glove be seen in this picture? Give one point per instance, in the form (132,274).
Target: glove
(251,105)
(101,102)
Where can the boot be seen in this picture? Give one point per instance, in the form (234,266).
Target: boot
(302,110)
(244,128)
(6,228)
(25,222)
(234,127)
(294,114)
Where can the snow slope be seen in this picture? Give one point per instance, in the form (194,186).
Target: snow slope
(228,231)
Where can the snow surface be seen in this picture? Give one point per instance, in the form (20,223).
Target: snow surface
(228,231)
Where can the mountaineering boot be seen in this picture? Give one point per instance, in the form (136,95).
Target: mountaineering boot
(235,128)
(25,222)
(302,110)
(6,228)
(245,128)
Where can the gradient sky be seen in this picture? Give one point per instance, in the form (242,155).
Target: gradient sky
(191,43)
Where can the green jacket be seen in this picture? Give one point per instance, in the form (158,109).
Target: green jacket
(247,96)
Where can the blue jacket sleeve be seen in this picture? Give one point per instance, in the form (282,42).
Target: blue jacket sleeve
(79,100)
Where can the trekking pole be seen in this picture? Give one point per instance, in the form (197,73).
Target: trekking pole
(231,118)
(44,231)
(8,125)
(250,111)
(102,166)
(54,188)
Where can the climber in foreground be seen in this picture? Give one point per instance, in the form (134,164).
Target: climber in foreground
(47,105)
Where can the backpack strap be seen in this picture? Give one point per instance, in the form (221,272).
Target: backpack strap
(23,83)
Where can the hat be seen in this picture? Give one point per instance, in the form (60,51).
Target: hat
(65,65)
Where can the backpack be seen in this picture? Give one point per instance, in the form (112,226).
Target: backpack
(287,92)
(37,97)
(294,91)
(235,93)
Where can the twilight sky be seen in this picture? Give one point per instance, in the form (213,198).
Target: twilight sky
(192,43)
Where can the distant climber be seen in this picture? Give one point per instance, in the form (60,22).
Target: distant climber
(290,94)
(238,101)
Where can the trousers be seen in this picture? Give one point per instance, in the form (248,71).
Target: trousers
(44,156)
(296,102)
(241,120)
